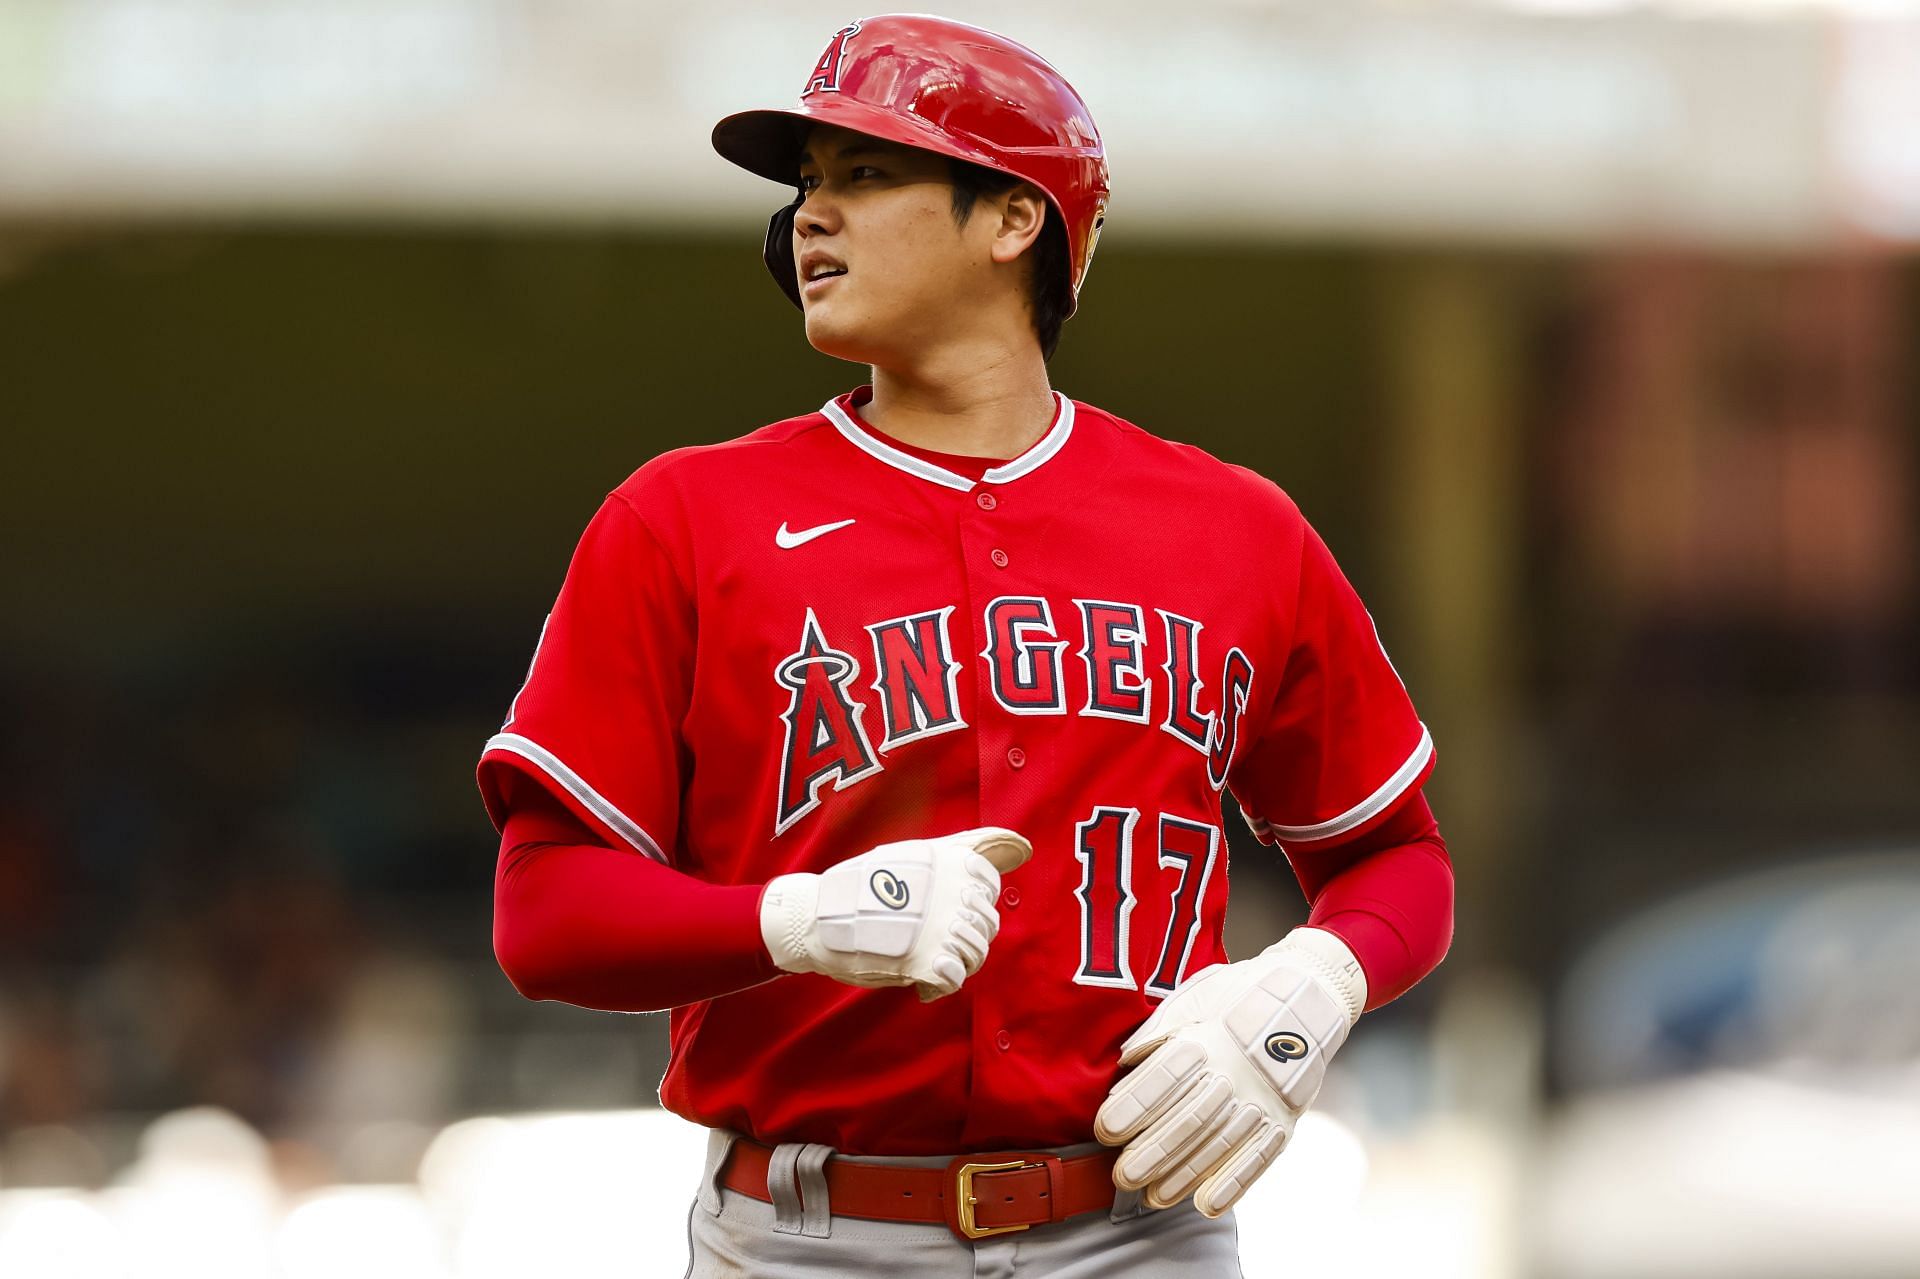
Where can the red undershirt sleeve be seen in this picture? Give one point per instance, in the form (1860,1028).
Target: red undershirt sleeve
(580,921)
(1387,894)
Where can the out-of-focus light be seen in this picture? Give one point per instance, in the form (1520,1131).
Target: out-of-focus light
(1714,8)
(200,1203)
(1571,7)
(1439,1205)
(567,1194)
(368,1232)
(1734,1175)
(202,1143)
(1874,137)
(454,1170)
(206,1231)
(1300,1216)
(592,1195)
(59,1234)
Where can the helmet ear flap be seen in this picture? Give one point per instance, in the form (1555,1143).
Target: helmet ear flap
(779,251)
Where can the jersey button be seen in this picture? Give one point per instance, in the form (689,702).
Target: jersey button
(1017,757)
(999,558)
(1011,897)
(1003,1041)
(986,501)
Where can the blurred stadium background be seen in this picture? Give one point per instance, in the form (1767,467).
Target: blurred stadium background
(1586,331)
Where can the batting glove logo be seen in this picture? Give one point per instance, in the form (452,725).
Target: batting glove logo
(890,889)
(1284,1045)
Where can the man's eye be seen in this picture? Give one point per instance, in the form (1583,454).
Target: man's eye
(809,183)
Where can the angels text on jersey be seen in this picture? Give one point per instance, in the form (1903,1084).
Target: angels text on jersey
(837,734)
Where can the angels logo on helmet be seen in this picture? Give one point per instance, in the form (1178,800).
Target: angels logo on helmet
(826,72)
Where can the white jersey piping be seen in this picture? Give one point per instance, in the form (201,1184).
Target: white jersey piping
(1372,805)
(590,799)
(1049,444)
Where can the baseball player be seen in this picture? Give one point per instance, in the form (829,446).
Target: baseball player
(885,745)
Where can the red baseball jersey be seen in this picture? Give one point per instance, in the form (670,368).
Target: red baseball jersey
(774,653)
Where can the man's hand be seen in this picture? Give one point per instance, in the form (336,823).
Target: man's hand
(918,912)
(1226,1067)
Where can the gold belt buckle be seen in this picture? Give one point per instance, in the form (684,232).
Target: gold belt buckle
(964,1203)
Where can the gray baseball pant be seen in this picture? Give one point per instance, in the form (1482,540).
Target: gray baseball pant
(796,1237)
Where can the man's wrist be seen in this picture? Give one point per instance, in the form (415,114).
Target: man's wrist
(1328,958)
(786,905)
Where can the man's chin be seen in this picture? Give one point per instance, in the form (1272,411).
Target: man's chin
(842,341)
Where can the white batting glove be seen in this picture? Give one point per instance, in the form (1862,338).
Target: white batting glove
(917,912)
(1226,1067)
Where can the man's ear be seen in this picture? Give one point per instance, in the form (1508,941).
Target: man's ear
(1023,211)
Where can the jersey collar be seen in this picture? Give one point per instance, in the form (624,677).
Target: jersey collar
(1049,444)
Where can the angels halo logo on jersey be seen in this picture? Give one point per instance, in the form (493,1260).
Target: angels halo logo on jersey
(890,889)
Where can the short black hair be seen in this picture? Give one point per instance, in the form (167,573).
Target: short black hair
(1051,295)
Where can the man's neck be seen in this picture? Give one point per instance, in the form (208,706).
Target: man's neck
(980,408)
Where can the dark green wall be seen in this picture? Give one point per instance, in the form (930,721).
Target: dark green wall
(209,427)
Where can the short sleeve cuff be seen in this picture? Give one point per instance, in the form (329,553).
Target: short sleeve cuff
(528,756)
(1410,774)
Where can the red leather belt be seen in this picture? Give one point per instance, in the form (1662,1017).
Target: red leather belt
(975,1195)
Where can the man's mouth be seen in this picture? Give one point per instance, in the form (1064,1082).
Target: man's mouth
(820,282)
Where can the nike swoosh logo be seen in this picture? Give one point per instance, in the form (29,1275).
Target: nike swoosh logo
(787,541)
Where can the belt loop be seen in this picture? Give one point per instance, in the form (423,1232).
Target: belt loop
(1056,1188)
(719,1143)
(817,1216)
(784,1186)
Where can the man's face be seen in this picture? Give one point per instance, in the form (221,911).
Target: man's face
(885,213)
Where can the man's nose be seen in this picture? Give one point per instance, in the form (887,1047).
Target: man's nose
(815,213)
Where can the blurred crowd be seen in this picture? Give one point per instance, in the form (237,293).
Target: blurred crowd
(262,883)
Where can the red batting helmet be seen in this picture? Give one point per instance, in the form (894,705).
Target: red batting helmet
(941,86)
